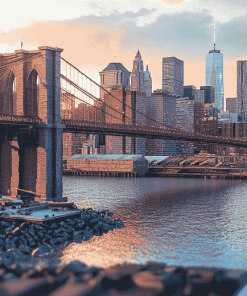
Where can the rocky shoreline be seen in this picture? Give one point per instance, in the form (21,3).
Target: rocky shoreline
(30,265)
(152,278)
(18,240)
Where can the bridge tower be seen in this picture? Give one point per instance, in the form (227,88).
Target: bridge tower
(31,153)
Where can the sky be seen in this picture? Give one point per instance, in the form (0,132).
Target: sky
(94,33)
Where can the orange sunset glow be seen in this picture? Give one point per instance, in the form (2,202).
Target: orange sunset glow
(91,46)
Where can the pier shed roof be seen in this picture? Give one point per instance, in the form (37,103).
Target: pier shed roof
(156,158)
(108,156)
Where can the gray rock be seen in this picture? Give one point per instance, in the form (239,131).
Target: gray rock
(107,220)
(41,250)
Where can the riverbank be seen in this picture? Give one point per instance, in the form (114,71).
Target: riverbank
(30,264)
(18,240)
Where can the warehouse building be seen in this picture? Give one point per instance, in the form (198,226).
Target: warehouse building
(108,163)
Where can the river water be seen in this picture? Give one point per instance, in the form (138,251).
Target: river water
(174,220)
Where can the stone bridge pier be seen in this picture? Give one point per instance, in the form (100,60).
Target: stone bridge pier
(31,153)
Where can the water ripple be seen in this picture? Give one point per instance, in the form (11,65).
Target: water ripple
(179,221)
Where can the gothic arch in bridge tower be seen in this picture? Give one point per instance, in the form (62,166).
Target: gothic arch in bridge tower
(8,95)
(31,98)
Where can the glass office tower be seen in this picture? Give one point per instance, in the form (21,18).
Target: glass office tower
(214,76)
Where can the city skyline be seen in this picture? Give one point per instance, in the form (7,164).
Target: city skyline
(94,34)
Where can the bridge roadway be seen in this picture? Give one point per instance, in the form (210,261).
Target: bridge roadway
(129,130)
(141,130)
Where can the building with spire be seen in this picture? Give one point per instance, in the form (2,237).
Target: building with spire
(141,89)
(137,75)
(214,75)
(147,82)
(141,80)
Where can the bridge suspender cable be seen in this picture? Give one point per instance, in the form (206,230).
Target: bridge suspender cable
(88,104)
(145,116)
(91,96)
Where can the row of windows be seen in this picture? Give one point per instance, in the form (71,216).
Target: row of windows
(114,78)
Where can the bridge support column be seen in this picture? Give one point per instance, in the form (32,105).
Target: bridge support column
(9,164)
(49,153)
(28,166)
(49,166)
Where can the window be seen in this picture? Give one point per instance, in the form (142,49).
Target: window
(14,85)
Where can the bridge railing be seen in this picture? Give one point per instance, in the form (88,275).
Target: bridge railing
(137,126)
(18,119)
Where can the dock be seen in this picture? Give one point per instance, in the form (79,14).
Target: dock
(23,210)
(198,172)
(78,172)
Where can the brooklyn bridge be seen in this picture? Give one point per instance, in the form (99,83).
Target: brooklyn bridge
(43,96)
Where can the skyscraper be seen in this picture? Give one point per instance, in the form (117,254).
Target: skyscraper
(137,75)
(173,75)
(147,82)
(231,105)
(209,95)
(214,76)
(170,110)
(141,80)
(242,90)
(115,79)
(189,91)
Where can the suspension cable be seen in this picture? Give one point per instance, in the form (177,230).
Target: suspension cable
(145,116)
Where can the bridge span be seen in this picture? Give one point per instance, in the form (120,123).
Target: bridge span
(152,132)
(41,97)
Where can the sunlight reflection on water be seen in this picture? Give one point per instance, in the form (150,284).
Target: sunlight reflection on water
(177,221)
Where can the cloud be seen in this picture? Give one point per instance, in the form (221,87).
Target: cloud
(25,12)
(189,35)
(173,2)
(94,34)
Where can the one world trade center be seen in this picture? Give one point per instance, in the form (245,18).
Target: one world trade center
(214,76)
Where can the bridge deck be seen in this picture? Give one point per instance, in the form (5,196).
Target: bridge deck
(139,130)
(130,130)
